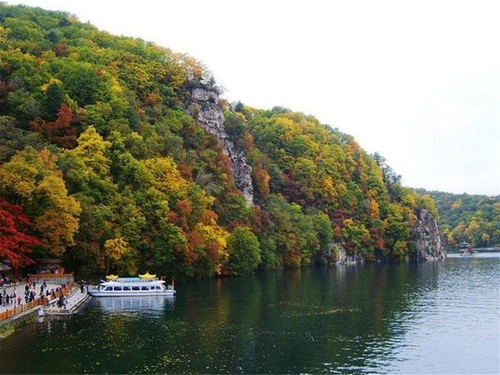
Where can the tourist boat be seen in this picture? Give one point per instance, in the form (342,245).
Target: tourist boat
(466,249)
(144,285)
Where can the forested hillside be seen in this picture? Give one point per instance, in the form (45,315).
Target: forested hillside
(471,218)
(104,163)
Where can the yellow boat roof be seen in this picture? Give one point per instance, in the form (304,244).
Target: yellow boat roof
(147,275)
(111,277)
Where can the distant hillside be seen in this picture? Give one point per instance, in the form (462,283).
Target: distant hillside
(118,155)
(464,217)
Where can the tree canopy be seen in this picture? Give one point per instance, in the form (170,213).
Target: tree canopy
(471,218)
(111,172)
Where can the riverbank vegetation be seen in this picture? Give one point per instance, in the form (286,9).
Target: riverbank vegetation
(467,218)
(101,165)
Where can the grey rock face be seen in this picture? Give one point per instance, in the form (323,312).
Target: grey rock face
(426,235)
(204,105)
(344,258)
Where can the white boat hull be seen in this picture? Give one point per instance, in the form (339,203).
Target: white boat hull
(101,293)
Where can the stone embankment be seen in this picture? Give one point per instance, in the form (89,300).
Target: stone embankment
(73,302)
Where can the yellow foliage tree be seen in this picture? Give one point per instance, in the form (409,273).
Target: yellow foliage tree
(92,150)
(116,250)
(59,221)
(167,177)
(32,179)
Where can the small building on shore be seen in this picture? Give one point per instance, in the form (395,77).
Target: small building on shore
(53,266)
(52,270)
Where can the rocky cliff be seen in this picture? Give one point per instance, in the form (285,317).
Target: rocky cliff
(204,106)
(426,235)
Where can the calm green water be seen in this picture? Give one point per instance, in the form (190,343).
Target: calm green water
(427,318)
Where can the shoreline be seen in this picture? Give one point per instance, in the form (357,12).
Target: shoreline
(17,315)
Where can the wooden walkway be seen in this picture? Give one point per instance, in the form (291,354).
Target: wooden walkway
(10,311)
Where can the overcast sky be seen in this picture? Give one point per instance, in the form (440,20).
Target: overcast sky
(416,81)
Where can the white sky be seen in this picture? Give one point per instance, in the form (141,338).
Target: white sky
(416,81)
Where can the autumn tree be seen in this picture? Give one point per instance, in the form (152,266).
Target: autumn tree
(116,252)
(32,179)
(397,230)
(86,169)
(62,131)
(16,242)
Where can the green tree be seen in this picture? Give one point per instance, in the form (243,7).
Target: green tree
(244,251)
(85,83)
(13,139)
(54,97)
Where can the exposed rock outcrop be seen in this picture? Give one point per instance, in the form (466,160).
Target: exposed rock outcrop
(427,237)
(343,258)
(204,105)
(425,234)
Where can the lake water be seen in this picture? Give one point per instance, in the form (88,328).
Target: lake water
(433,318)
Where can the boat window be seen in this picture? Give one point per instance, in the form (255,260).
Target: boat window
(117,288)
(157,287)
(145,288)
(108,288)
(136,288)
(126,288)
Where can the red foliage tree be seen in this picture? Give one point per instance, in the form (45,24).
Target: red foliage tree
(62,131)
(181,217)
(5,89)
(291,189)
(15,244)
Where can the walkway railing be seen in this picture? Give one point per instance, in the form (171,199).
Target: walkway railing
(52,278)
(18,309)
